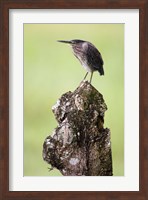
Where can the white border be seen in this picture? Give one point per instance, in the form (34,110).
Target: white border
(130,182)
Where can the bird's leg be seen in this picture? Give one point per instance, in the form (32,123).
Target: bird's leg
(91,76)
(85,76)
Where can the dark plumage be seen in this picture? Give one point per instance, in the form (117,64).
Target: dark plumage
(88,55)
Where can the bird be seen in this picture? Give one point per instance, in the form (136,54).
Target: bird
(88,55)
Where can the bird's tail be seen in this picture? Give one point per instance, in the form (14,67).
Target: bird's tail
(101,71)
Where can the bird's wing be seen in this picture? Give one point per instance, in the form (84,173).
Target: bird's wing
(94,57)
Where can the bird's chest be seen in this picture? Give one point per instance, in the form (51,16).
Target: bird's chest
(81,56)
(87,67)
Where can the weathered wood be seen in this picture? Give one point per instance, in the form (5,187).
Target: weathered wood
(80,145)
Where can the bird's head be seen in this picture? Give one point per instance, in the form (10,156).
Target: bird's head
(77,45)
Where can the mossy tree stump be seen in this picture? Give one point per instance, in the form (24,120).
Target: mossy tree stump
(80,145)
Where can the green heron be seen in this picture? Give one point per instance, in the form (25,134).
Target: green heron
(88,55)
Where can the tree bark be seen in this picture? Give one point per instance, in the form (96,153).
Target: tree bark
(80,145)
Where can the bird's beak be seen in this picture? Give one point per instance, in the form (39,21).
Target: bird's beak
(64,41)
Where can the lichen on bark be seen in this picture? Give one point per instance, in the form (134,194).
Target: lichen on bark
(80,145)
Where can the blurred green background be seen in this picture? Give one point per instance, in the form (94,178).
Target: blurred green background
(50,69)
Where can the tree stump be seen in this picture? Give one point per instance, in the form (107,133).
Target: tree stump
(80,145)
